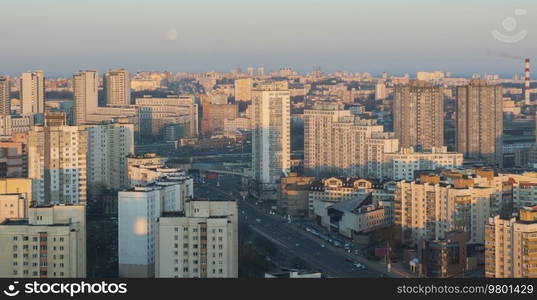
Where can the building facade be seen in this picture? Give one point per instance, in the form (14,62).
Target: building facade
(479,125)
(85,94)
(109,145)
(57,161)
(510,245)
(32,92)
(201,242)
(117,87)
(271,140)
(49,243)
(418,115)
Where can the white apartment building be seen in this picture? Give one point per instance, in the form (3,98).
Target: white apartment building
(428,208)
(49,243)
(510,246)
(402,165)
(138,211)
(271,139)
(32,92)
(109,145)
(57,161)
(202,242)
(338,143)
(85,93)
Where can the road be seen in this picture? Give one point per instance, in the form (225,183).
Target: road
(332,261)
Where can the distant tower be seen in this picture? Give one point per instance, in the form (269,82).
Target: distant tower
(117,87)
(5,104)
(418,111)
(479,125)
(260,71)
(32,90)
(85,90)
(527,97)
(380,91)
(271,139)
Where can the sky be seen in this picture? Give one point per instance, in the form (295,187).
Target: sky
(394,36)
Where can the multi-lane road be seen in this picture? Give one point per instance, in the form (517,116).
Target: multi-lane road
(334,262)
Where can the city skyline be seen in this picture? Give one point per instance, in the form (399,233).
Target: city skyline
(197,36)
(268,139)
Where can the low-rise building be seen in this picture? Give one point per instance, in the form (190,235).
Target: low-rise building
(444,258)
(353,216)
(294,195)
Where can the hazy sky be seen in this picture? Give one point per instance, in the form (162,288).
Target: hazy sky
(396,36)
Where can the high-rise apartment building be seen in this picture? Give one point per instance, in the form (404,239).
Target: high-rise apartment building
(479,125)
(510,245)
(5,107)
(85,93)
(338,143)
(49,243)
(138,211)
(201,242)
(418,115)
(243,89)
(5,103)
(117,87)
(271,139)
(57,161)
(428,208)
(32,92)
(380,91)
(109,145)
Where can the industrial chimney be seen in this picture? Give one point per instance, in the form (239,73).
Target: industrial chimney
(527,83)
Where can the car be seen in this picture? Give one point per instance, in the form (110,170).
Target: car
(322,246)
(359,266)
(258,220)
(349,259)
